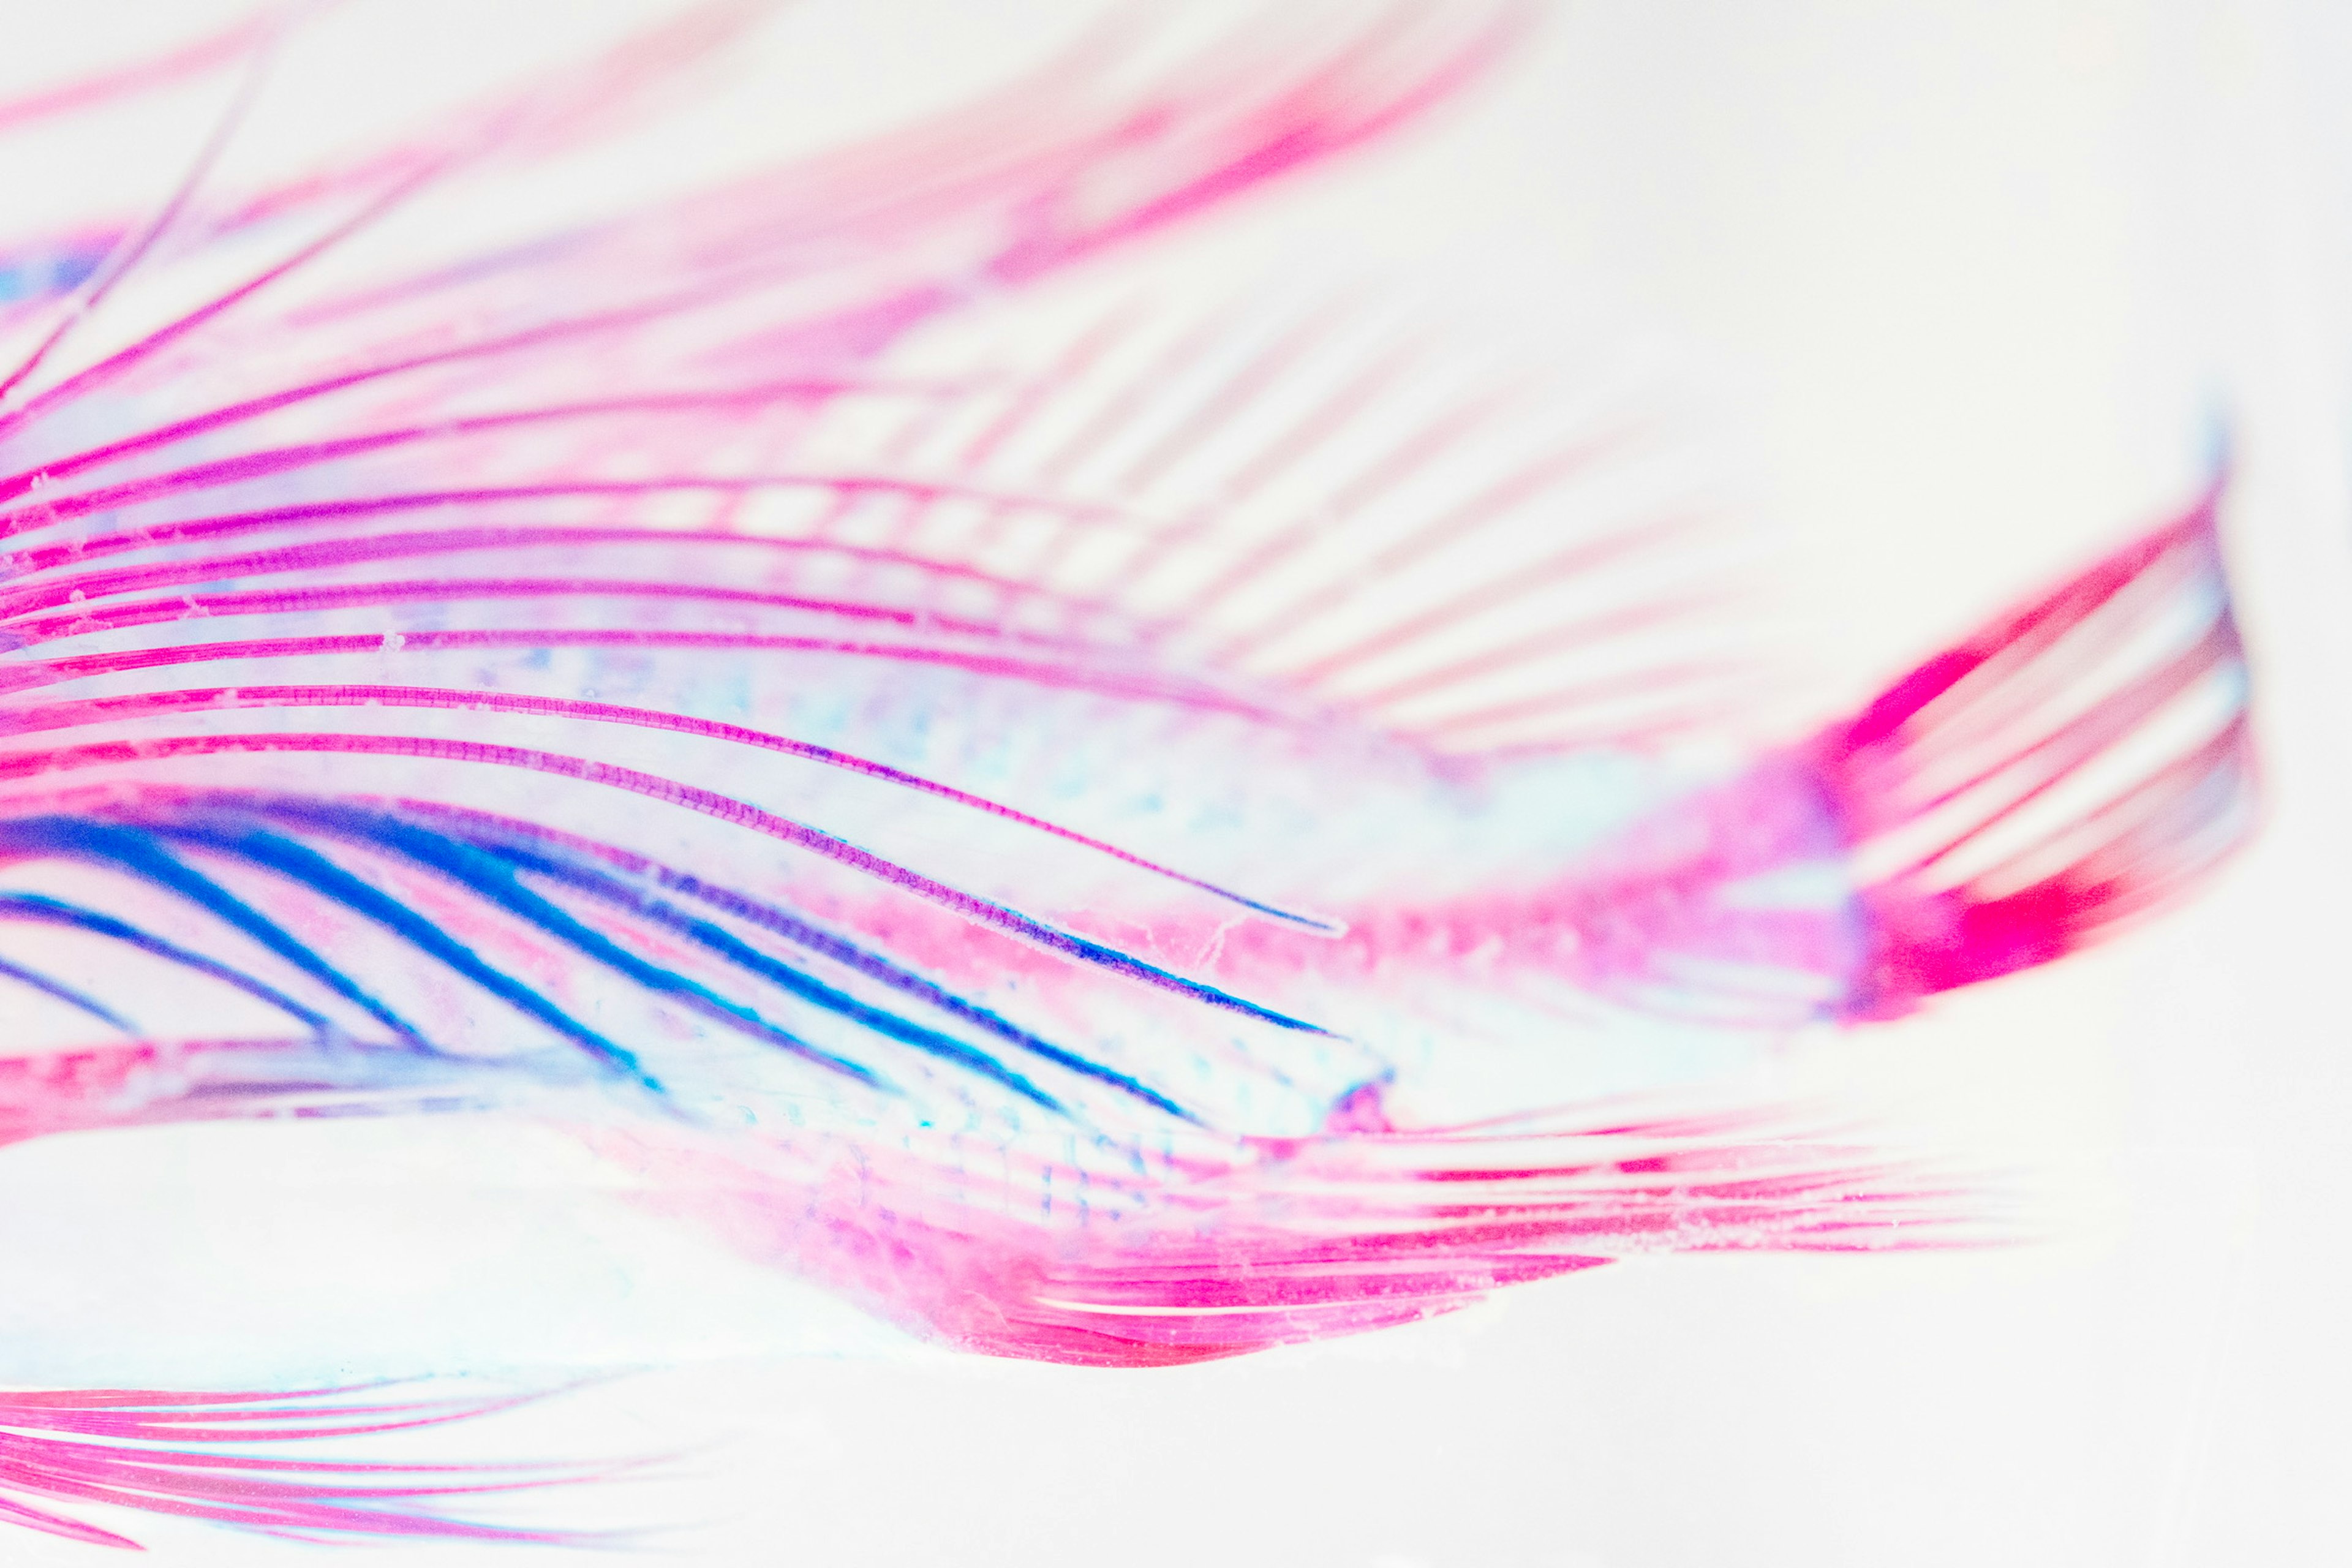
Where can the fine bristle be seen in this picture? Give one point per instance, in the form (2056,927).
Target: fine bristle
(247,1460)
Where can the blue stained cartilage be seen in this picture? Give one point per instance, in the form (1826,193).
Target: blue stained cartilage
(727,945)
(38,274)
(81,1001)
(135,850)
(489,871)
(487,865)
(56,912)
(492,875)
(316,872)
(799,982)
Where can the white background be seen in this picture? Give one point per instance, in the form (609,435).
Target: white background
(1982,273)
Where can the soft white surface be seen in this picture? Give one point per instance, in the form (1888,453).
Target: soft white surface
(1981,272)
